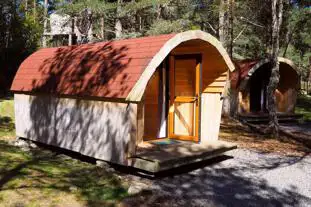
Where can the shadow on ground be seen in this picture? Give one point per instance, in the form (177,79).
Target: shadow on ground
(55,176)
(213,183)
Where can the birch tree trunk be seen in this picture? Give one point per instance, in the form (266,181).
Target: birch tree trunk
(45,24)
(277,12)
(26,7)
(223,19)
(34,9)
(90,22)
(118,24)
(226,38)
(102,27)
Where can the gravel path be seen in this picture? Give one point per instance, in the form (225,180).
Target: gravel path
(249,179)
(304,128)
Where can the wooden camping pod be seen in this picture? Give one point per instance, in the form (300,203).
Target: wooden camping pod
(102,100)
(251,79)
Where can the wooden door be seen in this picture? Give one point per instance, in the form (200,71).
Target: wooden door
(184,97)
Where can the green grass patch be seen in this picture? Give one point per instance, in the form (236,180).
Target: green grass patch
(7,118)
(304,106)
(44,178)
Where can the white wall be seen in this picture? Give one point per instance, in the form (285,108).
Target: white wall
(211,106)
(104,130)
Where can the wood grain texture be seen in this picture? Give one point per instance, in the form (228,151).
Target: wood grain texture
(103,130)
(211,116)
(216,54)
(152,110)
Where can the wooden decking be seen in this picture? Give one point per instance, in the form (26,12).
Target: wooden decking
(166,154)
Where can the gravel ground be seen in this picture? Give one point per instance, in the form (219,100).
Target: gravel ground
(304,128)
(249,179)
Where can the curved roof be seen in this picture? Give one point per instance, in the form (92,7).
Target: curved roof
(248,67)
(114,69)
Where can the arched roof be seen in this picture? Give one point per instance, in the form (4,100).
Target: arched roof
(267,60)
(248,67)
(114,69)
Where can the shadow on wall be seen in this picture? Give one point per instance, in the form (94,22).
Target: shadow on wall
(83,70)
(94,128)
(238,184)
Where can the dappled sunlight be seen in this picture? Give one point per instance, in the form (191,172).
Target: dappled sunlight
(56,177)
(68,105)
(234,131)
(226,183)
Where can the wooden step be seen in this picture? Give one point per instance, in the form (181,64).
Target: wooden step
(164,157)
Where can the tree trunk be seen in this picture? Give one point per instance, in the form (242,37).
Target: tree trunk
(34,9)
(26,7)
(77,31)
(277,11)
(226,38)
(70,37)
(102,27)
(289,35)
(90,22)
(45,24)
(118,24)
(226,24)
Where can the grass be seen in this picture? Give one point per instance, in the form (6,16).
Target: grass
(7,118)
(41,177)
(304,106)
(44,178)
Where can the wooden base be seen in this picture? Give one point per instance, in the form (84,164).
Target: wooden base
(164,154)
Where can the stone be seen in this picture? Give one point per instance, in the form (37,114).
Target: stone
(105,165)
(137,188)
(25,145)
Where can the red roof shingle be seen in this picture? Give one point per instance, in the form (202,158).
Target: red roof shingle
(243,67)
(105,69)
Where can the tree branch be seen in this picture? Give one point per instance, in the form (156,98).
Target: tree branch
(250,22)
(237,37)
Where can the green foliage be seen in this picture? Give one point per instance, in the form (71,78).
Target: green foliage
(298,38)
(251,24)
(167,26)
(7,128)
(98,7)
(20,35)
(31,34)
(304,106)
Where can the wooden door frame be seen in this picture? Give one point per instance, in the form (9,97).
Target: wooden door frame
(198,91)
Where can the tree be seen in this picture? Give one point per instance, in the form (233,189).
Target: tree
(19,37)
(45,24)
(226,38)
(277,12)
(226,25)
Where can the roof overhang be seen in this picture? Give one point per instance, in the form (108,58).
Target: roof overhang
(137,91)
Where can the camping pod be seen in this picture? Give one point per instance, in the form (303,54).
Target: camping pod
(251,79)
(106,99)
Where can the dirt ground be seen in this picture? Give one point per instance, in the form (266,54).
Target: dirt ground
(234,131)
